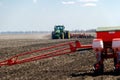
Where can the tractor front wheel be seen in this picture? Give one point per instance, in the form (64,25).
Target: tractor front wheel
(53,35)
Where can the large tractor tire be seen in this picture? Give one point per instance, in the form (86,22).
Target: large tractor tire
(62,36)
(67,35)
(53,35)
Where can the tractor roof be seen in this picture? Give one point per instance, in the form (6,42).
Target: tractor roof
(99,29)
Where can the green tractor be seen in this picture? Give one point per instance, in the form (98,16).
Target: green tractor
(60,33)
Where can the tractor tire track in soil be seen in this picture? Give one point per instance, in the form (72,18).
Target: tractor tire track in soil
(76,66)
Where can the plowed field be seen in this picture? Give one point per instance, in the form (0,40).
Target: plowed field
(75,66)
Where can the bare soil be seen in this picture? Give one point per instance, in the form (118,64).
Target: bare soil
(75,66)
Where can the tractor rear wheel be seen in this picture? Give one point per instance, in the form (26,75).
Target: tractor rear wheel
(67,35)
(62,36)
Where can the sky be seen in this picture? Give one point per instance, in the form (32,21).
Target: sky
(43,15)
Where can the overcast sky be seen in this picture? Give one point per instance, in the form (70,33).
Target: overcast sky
(42,15)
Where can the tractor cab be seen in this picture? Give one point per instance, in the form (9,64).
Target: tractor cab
(59,27)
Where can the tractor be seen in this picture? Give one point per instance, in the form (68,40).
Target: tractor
(106,45)
(60,33)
